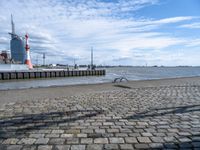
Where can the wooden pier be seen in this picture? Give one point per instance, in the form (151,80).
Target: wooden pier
(13,75)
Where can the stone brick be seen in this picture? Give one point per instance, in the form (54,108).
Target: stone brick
(131,140)
(101,140)
(157,139)
(45,147)
(62,147)
(116,140)
(56,141)
(121,134)
(196,144)
(66,135)
(72,140)
(87,131)
(12,147)
(126,146)
(111,146)
(36,135)
(156,145)
(52,135)
(196,138)
(10,141)
(81,135)
(144,139)
(58,131)
(42,141)
(146,134)
(142,146)
(100,130)
(112,130)
(29,147)
(86,140)
(27,141)
(78,147)
(169,139)
(108,123)
(94,147)
(73,131)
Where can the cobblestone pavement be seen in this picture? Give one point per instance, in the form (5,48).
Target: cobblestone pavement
(166,117)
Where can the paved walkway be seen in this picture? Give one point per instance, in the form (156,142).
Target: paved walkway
(166,117)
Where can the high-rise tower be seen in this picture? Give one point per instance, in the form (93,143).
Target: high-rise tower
(17,46)
(13,27)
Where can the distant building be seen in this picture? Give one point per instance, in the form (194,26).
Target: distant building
(5,57)
(5,54)
(17,46)
(18,52)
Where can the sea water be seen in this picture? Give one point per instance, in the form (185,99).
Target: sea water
(131,73)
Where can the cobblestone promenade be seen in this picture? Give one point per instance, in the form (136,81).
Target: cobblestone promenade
(166,117)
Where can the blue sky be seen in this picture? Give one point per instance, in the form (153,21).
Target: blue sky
(122,32)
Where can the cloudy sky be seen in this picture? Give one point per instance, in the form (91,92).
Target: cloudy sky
(122,32)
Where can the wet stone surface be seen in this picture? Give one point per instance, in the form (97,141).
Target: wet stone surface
(141,118)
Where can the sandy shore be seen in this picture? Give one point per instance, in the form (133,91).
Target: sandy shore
(71,90)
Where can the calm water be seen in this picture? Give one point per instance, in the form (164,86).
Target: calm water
(131,73)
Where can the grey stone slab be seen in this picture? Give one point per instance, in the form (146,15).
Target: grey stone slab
(134,134)
(146,134)
(196,138)
(169,139)
(86,140)
(29,147)
(27,141)
(66,135)
(144,139)
(131,140)
(196,144)
(115,140)
(52,135)
(42,141)
(156,145)
(72,140)
(185,139)
(62,147)
(112,130)
(12,147)
(56,141)
(36,135)
(126,146)
(142,146)
(94,147)
(157,139)
(78,147)
(171,145)
(81,135)
(45,147)
(101,140)
(111,146)
(100,130)
(58,131)
(185,145)
(10,141)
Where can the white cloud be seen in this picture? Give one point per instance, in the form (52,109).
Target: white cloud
(193,43)
(195,25)
(174,20)
(67,29)
(3,40)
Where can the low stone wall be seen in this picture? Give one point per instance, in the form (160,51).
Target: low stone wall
(49,74)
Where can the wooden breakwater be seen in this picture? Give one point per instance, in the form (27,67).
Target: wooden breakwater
(11,75)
